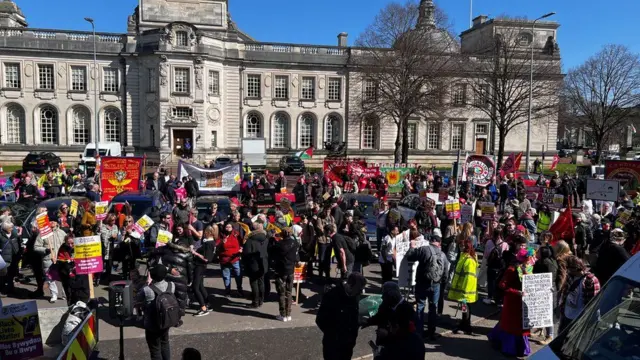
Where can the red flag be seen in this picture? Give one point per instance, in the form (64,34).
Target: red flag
(511,164)
(562,229)
(555,161)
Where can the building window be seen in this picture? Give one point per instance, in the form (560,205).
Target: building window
(370,91)
(12,76)
(214,83)
(181,81)
(81,125)
(254,126)
(332,130)
(48,125)
(334,89)
(281,87)
(214,139)
(182,38)
(45,77)
(458,96)
(433,136)
(308,88)
(112,125)
(78,78)
(111,80)
(152,79)
(482,97)
(280,130)
(253,86)
(482,129)
(15,125)
(412,132)
(524,39)
(369,134)
(306,130)
(182,112)
(457,136)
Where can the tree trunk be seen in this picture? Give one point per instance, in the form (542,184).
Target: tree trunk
(397,154)
(598,152)
(405,139)
(501,141)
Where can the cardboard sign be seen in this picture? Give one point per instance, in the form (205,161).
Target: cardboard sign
(488,210)
(143,224)
(101,210)
(73,209)
(466,213)
(300,273)
(164,237)
(21,336)
(88,255)
(537,304)
(44,226)
(453,209)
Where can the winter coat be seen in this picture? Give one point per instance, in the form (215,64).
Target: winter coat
(285,256)
(9,247)
(229,250)
(106,235)
(88,224)
(177,256)
(255,254)
(52,243)
(464,286)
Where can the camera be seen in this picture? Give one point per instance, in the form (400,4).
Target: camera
(120,299)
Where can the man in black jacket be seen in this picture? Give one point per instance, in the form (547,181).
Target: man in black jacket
(338,318)
(11,256)
(256,263)
(344,248)
(611,257)
(285,256)
(191,186)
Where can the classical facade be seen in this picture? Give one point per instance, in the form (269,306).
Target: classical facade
(184,71)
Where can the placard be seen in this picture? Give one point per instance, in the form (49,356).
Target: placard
(88,255)
(20,328)
(488,210)
(300,273)
(44,226)
(466,213)
(606,190)
(101,210)
(265,198)
(405,270)
(143,224)
(551,198)
(163,238)
(537,302)
(73,208)
(453,209)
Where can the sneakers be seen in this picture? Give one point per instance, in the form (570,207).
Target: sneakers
(288,318)
(53,299)
(202,313)
(281,318)
(487,301)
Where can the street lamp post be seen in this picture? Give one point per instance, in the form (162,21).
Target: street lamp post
(96,132)
(533,28)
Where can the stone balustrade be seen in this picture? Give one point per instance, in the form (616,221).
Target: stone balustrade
(60,35)
(289,48)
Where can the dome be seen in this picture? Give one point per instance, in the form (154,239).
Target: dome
(9,7)
(426,27)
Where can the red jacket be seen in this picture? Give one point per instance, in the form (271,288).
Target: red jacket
(229,251)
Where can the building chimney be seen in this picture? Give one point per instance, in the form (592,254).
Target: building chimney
(480,20)
(342,39)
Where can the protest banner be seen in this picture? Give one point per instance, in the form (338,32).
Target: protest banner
(101,210)
(210,181)
(88,255)
(551,198)
(395,174)
(83,341)
(299,276)
(143,224)
(534,192)
(44,226)
(73,208)
(627,172)
(164,237)
(466,213)
(488,210)
(265,198)
(20,328)
(479,169)
(537,302)
(118,174)
(453,209)
(434,197)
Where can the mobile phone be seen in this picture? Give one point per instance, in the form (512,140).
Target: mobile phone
(373,345)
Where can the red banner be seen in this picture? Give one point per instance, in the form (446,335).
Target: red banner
(118,174)
(626,171)
(336,169)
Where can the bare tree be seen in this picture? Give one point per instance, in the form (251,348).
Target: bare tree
(499,79)
(400,59)
(603,91)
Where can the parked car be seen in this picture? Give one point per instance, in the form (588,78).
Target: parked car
(608,327)
(52,206)
(565,153)
(142,202)
(204,204)
(292,164)
(222,161)
(40,162)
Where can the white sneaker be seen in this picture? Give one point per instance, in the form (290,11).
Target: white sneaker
(53,299)
(288,318)
(281,318)
(487,301)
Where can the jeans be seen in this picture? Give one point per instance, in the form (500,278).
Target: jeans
(226,275)
(357,267)
(197,286)
(324,259)
(337,350)
(427,293)
(257,289)
(158,342)
(284,285)
(380,234)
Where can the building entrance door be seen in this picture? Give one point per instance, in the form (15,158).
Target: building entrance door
(182,143)
(480,146)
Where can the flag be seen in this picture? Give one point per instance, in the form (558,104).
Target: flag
(305,154)
(562,229)
(555,161)
(633,129)
(511,164)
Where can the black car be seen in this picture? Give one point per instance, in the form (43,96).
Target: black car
(40,162)
(205,203)
(292,164)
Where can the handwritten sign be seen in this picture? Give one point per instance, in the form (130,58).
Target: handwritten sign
(453,209)
(488,210)
(163,238)
(88,255)
(405,270)
(44,226)
(466,213)
(537,303)
(20,328)
(73,209)
(101,210)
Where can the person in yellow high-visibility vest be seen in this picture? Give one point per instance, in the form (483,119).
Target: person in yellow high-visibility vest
(544,219)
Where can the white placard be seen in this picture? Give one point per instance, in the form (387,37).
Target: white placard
(607,190)
(537,304)
(405,270)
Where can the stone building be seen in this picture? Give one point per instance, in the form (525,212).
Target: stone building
(184,71)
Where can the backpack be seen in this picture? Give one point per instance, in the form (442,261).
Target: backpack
(435,270)
(79,311)
(495,260)
(166,312)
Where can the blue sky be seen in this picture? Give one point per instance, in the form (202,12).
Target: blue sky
(586,25)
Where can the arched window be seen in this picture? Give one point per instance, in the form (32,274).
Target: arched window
(370,133)
(332,129)
(15,125)
(254,125)
(280,130)
(48,125)
(112,125)
(81,125)
(306,130)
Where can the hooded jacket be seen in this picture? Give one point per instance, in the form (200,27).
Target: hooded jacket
(255,253)
(285,256)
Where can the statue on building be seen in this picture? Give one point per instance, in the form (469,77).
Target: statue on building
(199,69)
(335,149)
(132,22)
(551,47)
(164,71)
(193,39)
(166,36)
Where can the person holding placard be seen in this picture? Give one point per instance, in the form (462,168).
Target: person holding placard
(47,248)
(89,224)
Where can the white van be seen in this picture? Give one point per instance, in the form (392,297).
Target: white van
(88,157)
(609,327)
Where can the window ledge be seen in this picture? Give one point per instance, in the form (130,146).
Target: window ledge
(186,94)
(78,91)
(109,92)
(214,94)
(46,90)
(11,89)
(334,101)
(253,98)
